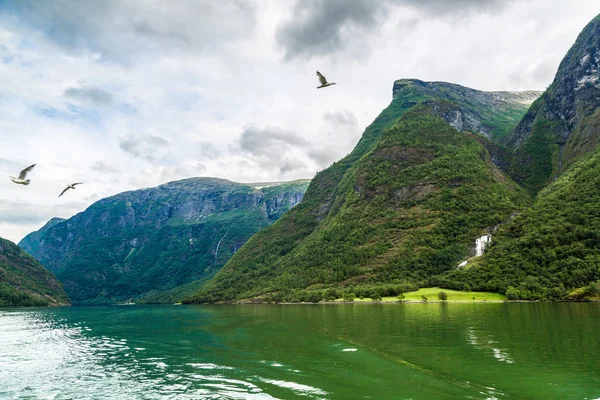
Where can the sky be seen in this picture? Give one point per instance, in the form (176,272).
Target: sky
(128,94)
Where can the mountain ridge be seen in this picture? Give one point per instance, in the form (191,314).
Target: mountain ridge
(144,242)
(332,237)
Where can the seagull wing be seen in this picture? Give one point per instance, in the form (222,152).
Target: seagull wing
(63,192)
(76,183)
(25,171)
(321,78)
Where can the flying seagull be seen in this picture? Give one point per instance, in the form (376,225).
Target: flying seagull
(21,179)
(71,186)
(323,81)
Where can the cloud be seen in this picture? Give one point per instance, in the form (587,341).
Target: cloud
(342,131)
(272,147)
(105,167)
(270,141)
(163,174)
(144,147)
(325,27)
(209,151)
(14,212)
(123,30)
(89,94)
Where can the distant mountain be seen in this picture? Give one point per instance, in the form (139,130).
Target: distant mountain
(142,244)
(406,205)
(563,124)
(32,241)
(25,282)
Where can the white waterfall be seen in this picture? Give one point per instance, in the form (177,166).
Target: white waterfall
(217,249)
(480,244)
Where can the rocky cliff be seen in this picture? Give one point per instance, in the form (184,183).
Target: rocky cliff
(563,124)
(145,242)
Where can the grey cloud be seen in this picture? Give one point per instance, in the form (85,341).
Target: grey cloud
(324,156)
(345,119)
(272,147)
(343,131)
(318,27)
(144,147)
(105,167)
(209,151)
(89,94)
(122,30)
(269,141)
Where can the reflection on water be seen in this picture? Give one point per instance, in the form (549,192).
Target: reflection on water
(416,351)
(488,345)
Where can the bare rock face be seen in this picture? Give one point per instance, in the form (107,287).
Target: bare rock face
(156,239)
(562,125)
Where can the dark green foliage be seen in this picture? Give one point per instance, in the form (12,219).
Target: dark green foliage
(442,296)
(550,248)
(424,298)
(25,282)
(512,293)
(406,204)
(151,245)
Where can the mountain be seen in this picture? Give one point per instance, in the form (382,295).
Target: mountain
(563,124)
(405,205)
(32,241)
(25,282)
(554,246)
(548,249)
(141,244)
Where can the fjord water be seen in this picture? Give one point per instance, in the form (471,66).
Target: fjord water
(354,351)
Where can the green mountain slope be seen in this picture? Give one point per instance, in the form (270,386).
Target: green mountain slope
(25,282)
(562,125)
(405,205)
(554,246)
(550,248)
(139,244)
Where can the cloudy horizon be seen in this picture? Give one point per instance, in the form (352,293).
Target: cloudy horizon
(124,95)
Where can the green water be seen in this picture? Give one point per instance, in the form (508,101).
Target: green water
(360,351)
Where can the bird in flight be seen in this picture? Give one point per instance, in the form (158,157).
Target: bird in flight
(71,186)
(323,81)
(21,179)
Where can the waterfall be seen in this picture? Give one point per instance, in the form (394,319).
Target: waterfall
(218,244)
(480,244)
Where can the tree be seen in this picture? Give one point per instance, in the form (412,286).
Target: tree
(376,296)
(512,293)
(348,296)
(424,298)
(442,296)
(401,296)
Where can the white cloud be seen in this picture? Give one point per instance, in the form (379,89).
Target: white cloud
(129,94)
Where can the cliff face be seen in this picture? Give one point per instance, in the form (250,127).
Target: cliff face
(25,282)
(405,205)
(149,241)
(562,125)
